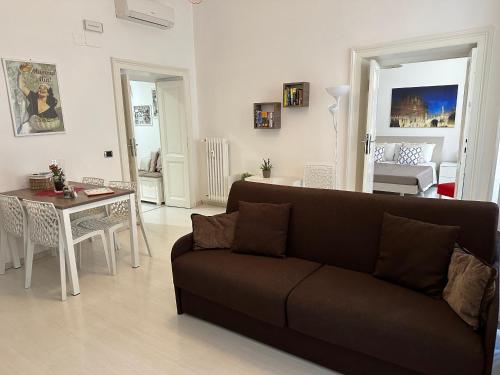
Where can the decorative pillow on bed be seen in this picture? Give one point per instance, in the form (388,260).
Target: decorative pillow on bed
(389,150)
(378,155)
(410,155)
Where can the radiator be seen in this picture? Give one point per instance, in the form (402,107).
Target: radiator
(217,154)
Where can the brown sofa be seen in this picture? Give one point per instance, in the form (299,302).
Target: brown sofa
(322,302)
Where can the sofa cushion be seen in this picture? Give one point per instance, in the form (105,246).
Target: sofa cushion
(253,285)
(262,229)
(383,320)
(214,232)
(415,254)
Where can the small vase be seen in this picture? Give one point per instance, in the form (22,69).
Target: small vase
(58,183)
(266,173)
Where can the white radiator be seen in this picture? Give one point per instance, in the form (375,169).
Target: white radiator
(217,154)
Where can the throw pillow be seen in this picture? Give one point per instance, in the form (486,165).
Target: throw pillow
(378,154)
(410,155)
(214,232)
(415,254)
(471,286)
(152,162)
(262,229)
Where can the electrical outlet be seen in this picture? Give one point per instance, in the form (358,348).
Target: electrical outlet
(108,154)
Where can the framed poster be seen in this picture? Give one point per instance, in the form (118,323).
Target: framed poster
(142,115)
(34,97)
(424,107)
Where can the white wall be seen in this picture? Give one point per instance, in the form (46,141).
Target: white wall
(147,137)
(245,50)
(45,31)
(431,73)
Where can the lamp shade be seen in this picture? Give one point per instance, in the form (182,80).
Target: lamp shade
(337,91)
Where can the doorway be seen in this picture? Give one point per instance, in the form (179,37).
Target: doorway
(418,118)
(154,126)
(366,66)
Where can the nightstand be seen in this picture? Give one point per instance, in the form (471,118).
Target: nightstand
(447,172)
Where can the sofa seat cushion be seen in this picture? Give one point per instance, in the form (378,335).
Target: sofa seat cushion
(386,321)
(150,174)
(254,285)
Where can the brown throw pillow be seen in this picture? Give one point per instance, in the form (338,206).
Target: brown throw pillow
(262,229)
(415,254)
(470,288)
(214,232)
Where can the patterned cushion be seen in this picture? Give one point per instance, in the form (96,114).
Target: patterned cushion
(412,155)
(378,155)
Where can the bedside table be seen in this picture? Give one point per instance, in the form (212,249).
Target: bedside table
(447,172)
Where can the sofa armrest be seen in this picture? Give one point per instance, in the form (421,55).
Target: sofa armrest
(182,246)
(490,329)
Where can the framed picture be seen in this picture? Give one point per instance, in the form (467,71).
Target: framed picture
(34,97)
(424,107)
(142,115)
(155,103)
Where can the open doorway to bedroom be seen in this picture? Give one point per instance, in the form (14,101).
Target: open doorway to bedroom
(153,112)
(419,124)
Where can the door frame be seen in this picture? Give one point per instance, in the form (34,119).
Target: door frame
(481,38)
(117,66)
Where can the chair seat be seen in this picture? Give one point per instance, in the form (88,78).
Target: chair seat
(105,223)
(359,312)
(447,189)
(253,285)
(79,232)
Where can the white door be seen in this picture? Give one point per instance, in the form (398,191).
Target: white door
(129,126)
(466,115)
(174,139)
(371,127)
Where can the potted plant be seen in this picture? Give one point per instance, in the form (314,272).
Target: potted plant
(245,175)
(57,177)
(266,168)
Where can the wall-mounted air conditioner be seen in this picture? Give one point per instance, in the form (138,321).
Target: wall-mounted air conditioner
(148,12)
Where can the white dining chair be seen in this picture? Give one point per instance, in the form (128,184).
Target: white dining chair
(44,229)
(12,229)
(321,176)
(93,212)
(93,181)
(117,220)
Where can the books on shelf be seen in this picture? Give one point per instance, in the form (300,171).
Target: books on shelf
(98,191)
(264,119)
(293,96)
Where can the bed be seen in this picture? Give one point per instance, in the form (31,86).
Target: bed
(389,176)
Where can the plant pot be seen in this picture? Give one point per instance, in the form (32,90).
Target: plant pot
(58,183)
(266,173)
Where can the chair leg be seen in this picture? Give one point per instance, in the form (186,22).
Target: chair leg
(79,254)
(16,262)
(106,252)
(28,264)
(111,250)
(62,267)
(3,259)
(144,235)
(116,241)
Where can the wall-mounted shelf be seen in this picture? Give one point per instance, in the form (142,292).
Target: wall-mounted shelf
(296,94)
(267,115)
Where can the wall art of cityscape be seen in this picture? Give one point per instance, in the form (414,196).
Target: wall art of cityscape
(424,107)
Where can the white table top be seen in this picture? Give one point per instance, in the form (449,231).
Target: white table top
(276,180)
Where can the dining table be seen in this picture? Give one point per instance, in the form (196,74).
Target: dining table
(67,206)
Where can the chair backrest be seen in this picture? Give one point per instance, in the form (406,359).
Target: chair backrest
(320,176)
(121,208)
(43,223)
(11,215)
(93,181)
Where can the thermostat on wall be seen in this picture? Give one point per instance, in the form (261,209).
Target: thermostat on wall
(94,26)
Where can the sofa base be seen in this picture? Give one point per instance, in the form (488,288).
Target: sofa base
(331,356)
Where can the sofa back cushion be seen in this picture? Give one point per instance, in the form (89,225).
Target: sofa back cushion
(343,228)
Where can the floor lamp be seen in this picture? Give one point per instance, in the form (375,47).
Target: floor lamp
(336,92)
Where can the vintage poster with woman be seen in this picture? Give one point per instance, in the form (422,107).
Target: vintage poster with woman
(34,96)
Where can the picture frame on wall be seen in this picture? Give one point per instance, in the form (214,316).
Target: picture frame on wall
(424,107)
(34,97)
(142,115)
(155,103)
